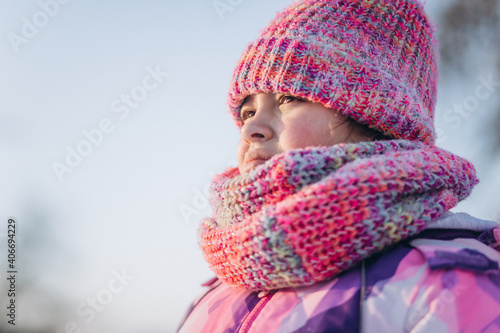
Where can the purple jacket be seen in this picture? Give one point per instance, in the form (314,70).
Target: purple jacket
(446,279)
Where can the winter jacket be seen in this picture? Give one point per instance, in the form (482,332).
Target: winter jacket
(445,279)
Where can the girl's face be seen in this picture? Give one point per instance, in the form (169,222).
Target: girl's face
(276,123)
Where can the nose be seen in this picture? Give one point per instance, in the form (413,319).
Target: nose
(257,128)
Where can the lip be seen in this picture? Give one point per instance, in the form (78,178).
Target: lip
(254,158)
(257,155)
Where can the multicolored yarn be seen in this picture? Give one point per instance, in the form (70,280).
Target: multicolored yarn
(309,214)
(373,61)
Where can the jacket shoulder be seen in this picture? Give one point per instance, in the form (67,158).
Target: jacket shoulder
(448,280)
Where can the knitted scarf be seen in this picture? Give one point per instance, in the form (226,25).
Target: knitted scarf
(309,214)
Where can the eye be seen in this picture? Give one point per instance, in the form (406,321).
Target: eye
(285,99)
(245,114)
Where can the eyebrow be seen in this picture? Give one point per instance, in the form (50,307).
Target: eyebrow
(248,99)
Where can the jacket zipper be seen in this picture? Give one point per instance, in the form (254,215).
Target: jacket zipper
(247,323)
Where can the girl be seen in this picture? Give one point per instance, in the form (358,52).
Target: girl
(337,217)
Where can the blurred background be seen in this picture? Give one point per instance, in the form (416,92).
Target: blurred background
(113,122)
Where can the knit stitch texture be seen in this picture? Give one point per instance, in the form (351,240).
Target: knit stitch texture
(373,61)
(308,214)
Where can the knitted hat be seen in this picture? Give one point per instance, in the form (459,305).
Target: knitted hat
(373,61)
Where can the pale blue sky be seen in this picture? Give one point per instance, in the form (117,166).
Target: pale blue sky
(120,208)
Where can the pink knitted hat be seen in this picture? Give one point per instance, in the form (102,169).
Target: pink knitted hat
(373,61)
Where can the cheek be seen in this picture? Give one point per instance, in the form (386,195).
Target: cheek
(306,131)
(241,150)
